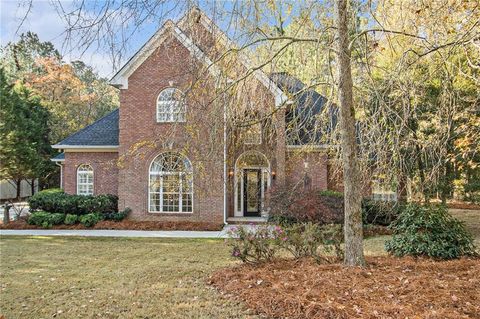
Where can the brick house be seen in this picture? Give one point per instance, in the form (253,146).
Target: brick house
(178,148)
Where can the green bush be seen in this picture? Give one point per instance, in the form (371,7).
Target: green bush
(59,202)
(71,219)
(38,218)
(57,218)
(117,216)
(380,212)
(89,220)
(45,219)
(429,231)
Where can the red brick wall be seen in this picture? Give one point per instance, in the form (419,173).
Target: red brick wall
(142,138)
(105,172)
(316,172)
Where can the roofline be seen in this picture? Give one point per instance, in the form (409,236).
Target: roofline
(66,147)
(120,79)
(57,160)
(280,97)
(84,128)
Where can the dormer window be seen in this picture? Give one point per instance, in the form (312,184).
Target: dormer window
(171,106)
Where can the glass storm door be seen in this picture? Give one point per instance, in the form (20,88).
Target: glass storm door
(252,183)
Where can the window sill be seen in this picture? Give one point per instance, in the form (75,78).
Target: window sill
(171,213)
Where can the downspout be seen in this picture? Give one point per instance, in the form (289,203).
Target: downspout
(224,160)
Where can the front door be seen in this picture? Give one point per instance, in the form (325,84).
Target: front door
(252,191)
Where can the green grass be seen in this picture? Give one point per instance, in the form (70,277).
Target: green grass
(472,221)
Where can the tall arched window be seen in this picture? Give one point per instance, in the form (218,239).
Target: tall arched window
(170,184)
(171,106)
(85,180)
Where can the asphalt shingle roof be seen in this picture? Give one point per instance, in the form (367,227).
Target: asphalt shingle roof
(304,125)
(58,157)
(103,132)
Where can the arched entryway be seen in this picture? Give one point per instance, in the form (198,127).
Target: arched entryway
(252,180)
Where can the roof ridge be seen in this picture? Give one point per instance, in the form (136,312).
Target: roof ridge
(88,126)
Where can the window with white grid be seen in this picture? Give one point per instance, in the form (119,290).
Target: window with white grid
(171,106)
(171,184)
(85,180)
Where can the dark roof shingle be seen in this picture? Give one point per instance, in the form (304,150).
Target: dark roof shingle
(103,132)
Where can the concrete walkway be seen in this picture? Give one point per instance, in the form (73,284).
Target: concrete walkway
(115,233)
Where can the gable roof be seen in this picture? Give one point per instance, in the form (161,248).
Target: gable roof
(120,79)
(100,134)
(303,116)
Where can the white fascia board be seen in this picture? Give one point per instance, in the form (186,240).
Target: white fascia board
(120,80)
(280,97)
(57,160)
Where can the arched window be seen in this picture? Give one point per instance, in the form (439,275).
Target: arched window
(171,106)
(85,180)
(170,184)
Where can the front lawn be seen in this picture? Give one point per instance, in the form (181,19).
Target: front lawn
(42,277)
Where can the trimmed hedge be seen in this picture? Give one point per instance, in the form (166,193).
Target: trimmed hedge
(45,219)
(56,201)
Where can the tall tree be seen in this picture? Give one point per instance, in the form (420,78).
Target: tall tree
(353,227)
(24,144)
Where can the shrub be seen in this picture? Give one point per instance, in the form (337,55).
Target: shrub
(59,202)
(57,218)
(89,220)
(292,205)
(45,219)
(257,245)
(38,218)
(380,212)
(117,216)
(305,239)
(429,231)
(71,219)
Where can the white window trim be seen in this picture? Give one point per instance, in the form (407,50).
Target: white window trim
(85,184)
(161,186)
(170,105)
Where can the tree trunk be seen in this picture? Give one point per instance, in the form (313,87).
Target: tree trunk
(18,185)
(353,227)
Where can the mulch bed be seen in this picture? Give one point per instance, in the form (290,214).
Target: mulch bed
(124,225)
(387,288)
(463,205)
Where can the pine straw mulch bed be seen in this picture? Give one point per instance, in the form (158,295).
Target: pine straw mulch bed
(124,225)
(387,288)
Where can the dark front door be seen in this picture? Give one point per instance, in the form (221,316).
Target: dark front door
(252,192)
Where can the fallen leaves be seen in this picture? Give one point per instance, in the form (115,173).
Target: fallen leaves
(387,288)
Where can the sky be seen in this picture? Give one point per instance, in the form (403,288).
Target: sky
(44,20)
